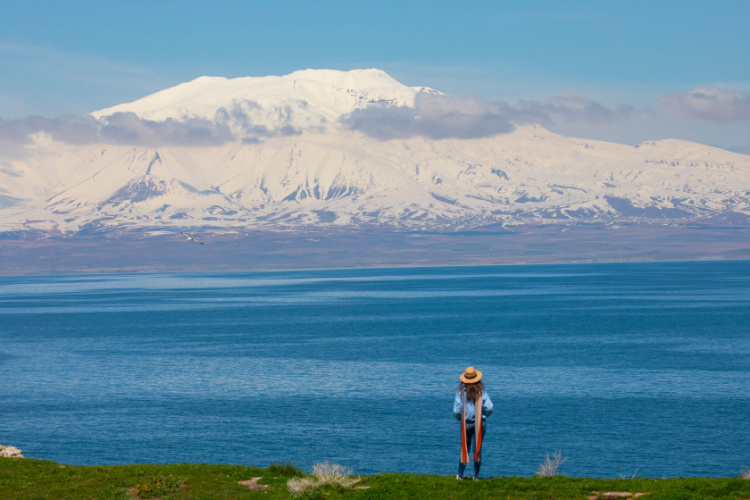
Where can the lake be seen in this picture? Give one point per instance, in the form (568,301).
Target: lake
(627,368)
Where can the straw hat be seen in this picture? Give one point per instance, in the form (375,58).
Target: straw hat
(471,376)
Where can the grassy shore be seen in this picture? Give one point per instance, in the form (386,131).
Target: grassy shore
(28,478)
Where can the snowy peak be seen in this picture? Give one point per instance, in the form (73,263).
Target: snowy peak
(302,101)
(356,78)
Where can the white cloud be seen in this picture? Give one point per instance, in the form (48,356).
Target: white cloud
(441,116)
(433,116)
(708,104)
(128,128)
(572,106)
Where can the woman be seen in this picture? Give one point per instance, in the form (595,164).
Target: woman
(470,395)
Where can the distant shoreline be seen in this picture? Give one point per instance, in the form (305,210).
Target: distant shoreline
(146,271)
(324,249)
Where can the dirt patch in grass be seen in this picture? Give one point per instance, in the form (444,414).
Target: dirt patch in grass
(253,484)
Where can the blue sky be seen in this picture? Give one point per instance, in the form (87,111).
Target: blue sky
(664,68)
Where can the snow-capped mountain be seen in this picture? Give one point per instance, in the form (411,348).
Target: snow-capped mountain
(305,100)
(278,153)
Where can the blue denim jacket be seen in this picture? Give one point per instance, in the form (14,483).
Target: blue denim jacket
(486,407)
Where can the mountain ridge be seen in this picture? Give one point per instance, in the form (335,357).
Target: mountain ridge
(290,162)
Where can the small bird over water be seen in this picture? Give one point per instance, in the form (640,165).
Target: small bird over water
(190,237)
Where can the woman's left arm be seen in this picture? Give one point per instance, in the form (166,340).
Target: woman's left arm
(487,404)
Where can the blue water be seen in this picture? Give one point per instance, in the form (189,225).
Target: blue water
(639,368)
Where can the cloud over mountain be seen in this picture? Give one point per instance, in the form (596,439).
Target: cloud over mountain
(433,116)
(572,106)
(119,128)
(708,104)
(127,128)
(437,116)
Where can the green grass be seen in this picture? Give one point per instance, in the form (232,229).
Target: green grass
(28,478)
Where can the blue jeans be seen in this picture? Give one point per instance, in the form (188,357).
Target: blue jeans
(469,441)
